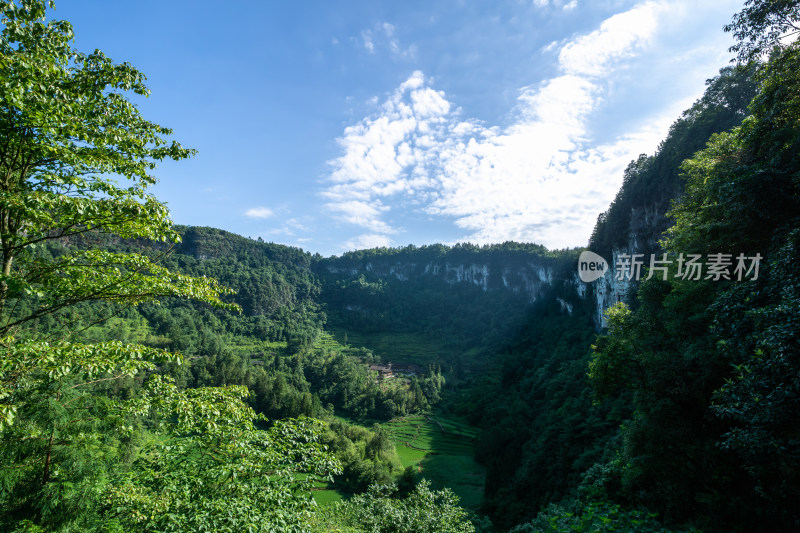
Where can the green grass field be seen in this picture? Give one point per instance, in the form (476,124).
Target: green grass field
(403,347)
(419,349)
(325,494)
(441,449)
(327,342)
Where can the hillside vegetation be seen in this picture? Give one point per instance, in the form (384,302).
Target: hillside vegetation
(171,378)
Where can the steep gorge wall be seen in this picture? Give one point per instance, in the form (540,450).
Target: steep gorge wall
(637,218)
(526,274)
(525,280)
(646,224)
(467,297)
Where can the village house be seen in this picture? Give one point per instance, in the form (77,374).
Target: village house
(392,369)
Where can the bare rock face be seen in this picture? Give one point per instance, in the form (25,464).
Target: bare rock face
(527,279)
(647,224)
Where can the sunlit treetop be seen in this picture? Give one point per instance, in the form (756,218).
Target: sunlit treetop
(763,25)
(75,156)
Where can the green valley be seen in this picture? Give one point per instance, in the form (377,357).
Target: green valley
(164,378)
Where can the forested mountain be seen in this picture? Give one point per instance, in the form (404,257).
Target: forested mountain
(518,323)
(715,390)
(466,295)
(549,430)
(638,216)
(172,378)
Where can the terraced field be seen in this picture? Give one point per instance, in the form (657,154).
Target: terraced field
(407,347)
(442,451)
(421,350)
(327,343)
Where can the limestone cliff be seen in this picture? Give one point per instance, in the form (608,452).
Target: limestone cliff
(523,272)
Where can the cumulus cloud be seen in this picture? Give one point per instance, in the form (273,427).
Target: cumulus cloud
(385,155)
(367,39)
(259,212)
(537,179)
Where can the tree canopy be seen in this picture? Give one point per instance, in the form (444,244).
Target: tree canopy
(712,365)
(762,26)
(76,159)
(76,156)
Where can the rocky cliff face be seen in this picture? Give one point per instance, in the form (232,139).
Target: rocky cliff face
(527,279)
(527,275)
(647,224)
(637,217)
(609,290)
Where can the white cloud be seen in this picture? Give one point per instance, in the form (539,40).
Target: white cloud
(366,214)
(382,34)
(367,240)
(366,37)
(618,36)
(259,212)
(563,4)
(540,178)
(290,227)
(552,45)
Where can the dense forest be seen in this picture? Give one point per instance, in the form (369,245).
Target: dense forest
(158,377)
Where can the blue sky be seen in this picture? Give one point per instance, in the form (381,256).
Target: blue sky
(334,126)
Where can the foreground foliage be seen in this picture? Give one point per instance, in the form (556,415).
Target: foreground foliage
(211,469)
(689,419)
(77,454)
(594,517)
(379,511)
